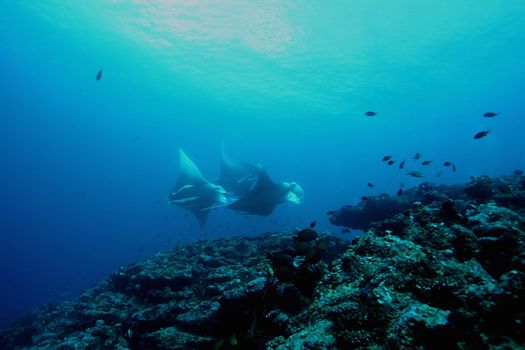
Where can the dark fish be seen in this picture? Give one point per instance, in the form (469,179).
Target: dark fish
(306,235)
(453,167)
(400,192)
(313,223)
(415,174)
(386,158)
(281,259)
(330,212)
(426,162)
(490,114)
(438,174)
(447,163)
(370,114)
(481,134)
(99,75)
(166,217)
(518,172)
(402,164)
(370,184)
(345,230)
(313,256)
(417,156)
(302,248)
(323,245)
(390,162)
(364,198)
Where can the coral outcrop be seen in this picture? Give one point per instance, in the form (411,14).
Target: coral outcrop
(505,191)
(447,271)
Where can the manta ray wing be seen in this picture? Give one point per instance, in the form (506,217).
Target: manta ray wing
(262,198)
(193,192)
(201,215)
(236,176)
(189,174)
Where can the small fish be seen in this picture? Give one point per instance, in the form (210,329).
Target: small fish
(490,114)
(370,184)
(364,198)
(330,212)
(370,114)
(481,134)
(415,174)
(426,162)
(417,156)
(390,162)
(345,230)
(447,164)
(386,158)
(165,217)
(99,75)
(439,173)
(313,223)
(402,164)
(453,167)
(400,192)
(518,172)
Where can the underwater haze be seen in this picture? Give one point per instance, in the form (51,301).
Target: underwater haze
(87,164)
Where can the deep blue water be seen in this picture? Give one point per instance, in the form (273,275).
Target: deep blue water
(86,165)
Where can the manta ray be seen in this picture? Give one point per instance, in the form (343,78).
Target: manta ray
(194,193)
(264,195)
(236,176)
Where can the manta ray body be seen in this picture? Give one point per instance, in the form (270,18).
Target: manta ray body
(265,194)
(236,176)
(194,193)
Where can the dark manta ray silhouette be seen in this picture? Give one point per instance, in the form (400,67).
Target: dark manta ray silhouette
(236,176)
(193,192)
(264,195)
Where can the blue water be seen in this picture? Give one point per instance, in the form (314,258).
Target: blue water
(86,165)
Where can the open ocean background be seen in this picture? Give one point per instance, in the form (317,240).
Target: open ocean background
(86,165)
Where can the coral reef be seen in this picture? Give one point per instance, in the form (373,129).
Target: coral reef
(505,191)
(447,271)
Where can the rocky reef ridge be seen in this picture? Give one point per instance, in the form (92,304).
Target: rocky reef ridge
(447,271)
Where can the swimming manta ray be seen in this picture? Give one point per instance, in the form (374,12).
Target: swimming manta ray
(264,195)
(193,192)
(236,176)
